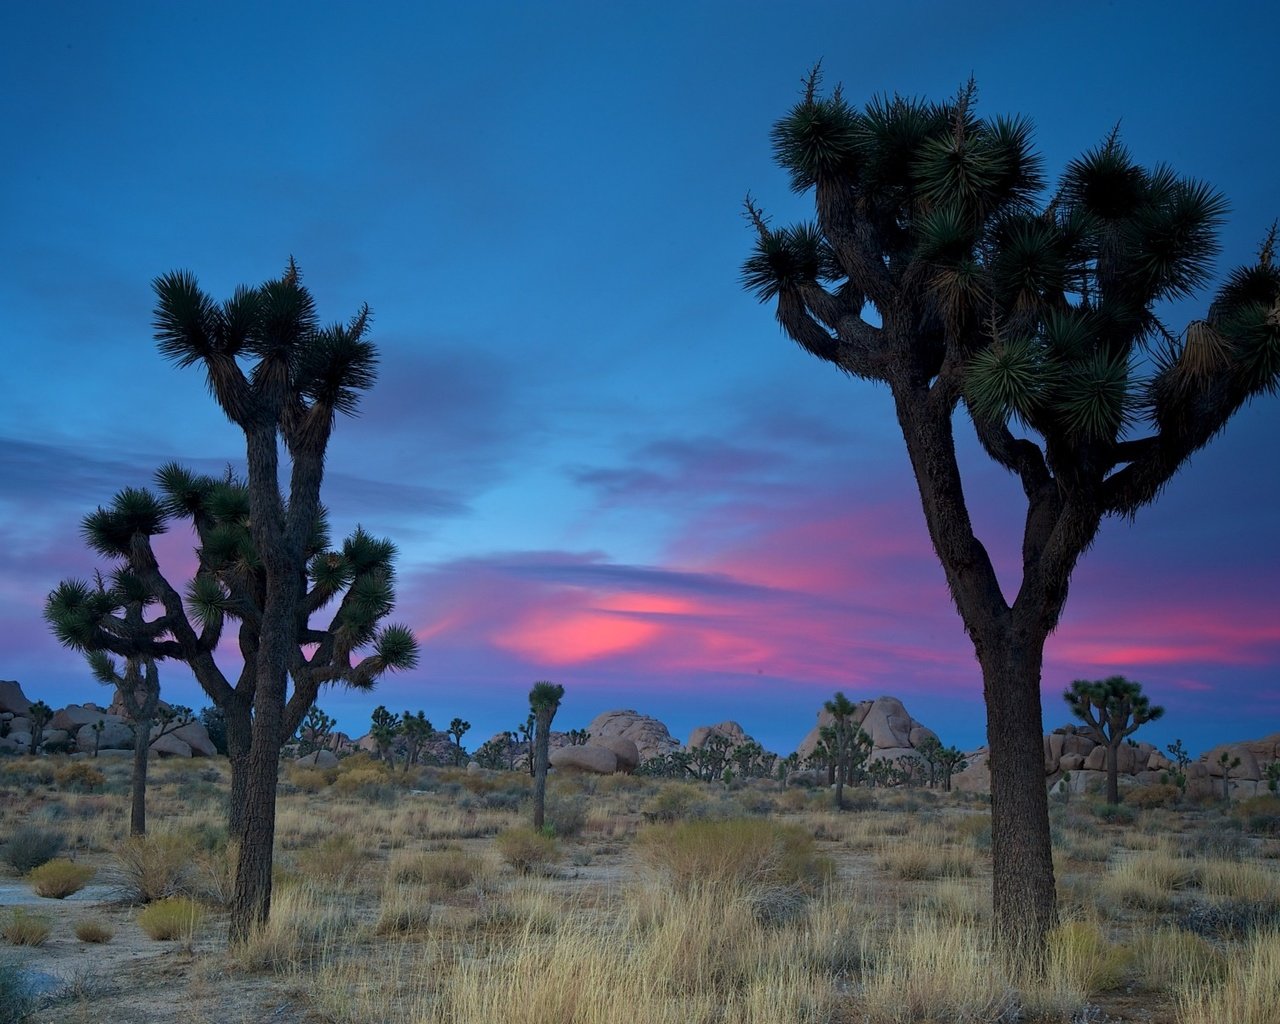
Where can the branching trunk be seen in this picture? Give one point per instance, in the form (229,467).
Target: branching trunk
(541,743)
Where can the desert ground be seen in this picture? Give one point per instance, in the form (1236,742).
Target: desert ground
(424,896)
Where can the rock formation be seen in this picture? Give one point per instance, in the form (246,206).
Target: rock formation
(893,732)
(651,737)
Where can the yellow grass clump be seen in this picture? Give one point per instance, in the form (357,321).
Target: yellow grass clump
(1248,992)
(58,879)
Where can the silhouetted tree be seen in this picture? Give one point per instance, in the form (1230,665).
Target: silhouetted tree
(38,715)
(418,731)
(385,727)
(841,710)
(544,702)
(940,266)
(1111,709)
(457,729)
(263,552)
(313,733)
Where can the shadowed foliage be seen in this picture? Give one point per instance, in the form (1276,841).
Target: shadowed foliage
(941,264)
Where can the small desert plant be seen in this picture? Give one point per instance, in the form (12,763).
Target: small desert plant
(303,921)
(734,853)
(1169,958)
(26,929)
(176,917)
(153,867)
(565,816)
(30,847)
(526,850)
(676,800)
(94,929)
(309,780)
(1081,956)
(403,910)
(58,879)
(1164,794)
(921,860)
(336,859)
(79,777)
(438,870)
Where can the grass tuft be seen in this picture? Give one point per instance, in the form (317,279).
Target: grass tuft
(58,879)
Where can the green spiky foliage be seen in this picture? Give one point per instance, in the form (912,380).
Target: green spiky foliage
(313,734)
(385,726)
(38,715)
(417,730)
(457,729)
(1228,763)
(303,613)
(544,702)
(841,710)
(1112,709)
(942,264)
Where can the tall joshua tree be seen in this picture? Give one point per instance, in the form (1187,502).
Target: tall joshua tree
(264,561)
(841,710)
(544,702)
(941,266)
(1111,710)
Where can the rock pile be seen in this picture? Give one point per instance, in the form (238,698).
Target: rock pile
(893,732)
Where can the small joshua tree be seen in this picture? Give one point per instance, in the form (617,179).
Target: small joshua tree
(1228,765)
(524,733)
(457,729)
(578,737)
(1272,774)
(544,702)
(314,732)
(1111,710)
(1182,760)
(950,761)
(98,728)
(386,727)
(841,710)
(38,715)
(418,731)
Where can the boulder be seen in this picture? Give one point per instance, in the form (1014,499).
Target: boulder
(170,746)
(116,735)
(651,737)
(12,698)
(891,728)
(194,735)
(16,743)
(1071,762)
(731,731)
(1247,769)
(73,716)
(587,758)
(977,777)
(1097,759)
(1074,743)
(318,759)
(921,733)
(624,750)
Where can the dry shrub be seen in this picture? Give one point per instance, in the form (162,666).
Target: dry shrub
(526,850)
(1242,882)
(403,910)
(674,801)
(309,780)
(153,867)
(58,879)
(924,860)
(735,853)
(1081,957)
(439,870)
(26,929)
(336,859)
(952,902)
(94,929)
(1161,794)
(359,781)
(1169,958)
(79,777)
(1248,992)
(304,923)
(176,917)
(1148,881)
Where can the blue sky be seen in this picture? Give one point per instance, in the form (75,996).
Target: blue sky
(601,461)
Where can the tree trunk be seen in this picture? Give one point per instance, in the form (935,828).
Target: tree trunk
(239,740)
(542,742)
(841,769)
(1024,898)
(1113,771)
(138,783)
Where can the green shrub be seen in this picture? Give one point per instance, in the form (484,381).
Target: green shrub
(526,850)
(565,816)
(29,847)
(26,929)
(174,918)
(94,929)
(58,879)
(676,800)
(741,852)
(1115,814)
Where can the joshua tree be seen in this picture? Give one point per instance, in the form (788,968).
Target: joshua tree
(841,710)
(457,729)
(385,729)
(544,702)
(98,727)
(418,731)
(525,732)
(1272,774)
(263,553)
(314,732)
(940,266)
(1228,764)
(38,715)
(950,761)
(577,737)
(1182,760)
(1111,710)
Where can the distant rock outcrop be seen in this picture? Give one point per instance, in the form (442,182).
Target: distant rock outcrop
(586,758)
(731,731)
(12,699)
(893,732)
(651,737)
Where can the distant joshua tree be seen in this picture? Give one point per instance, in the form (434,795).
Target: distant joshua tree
(457,729)
(1111,709)
(544,702)
(38,715)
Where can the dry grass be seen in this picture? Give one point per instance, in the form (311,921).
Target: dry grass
(1248,992)
(24,928)
(172,918)
(94,930)
(58,879)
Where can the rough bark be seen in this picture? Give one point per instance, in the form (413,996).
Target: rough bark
(1024,900)
(138,783)
(239,738)
(541,755)
(1113,770)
